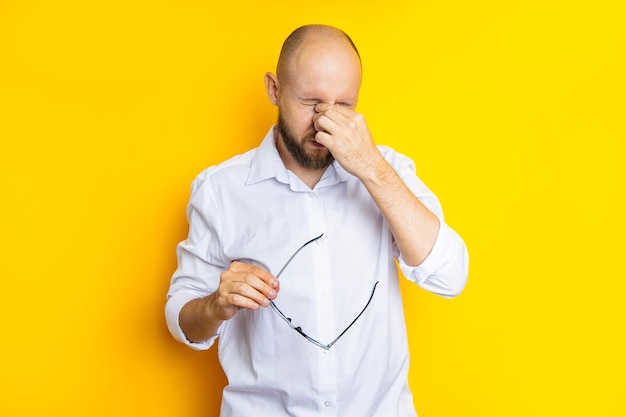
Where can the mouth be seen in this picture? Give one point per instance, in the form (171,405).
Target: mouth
(317,144)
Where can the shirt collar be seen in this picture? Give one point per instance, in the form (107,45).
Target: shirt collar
(267,164)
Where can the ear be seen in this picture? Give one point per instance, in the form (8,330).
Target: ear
(272,87)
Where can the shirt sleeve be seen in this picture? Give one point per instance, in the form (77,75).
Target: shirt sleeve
(199,262)
(444,271)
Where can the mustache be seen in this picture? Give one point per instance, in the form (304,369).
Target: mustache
(311,135)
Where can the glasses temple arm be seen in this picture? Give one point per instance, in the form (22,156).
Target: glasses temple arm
(356,318)
(295,253)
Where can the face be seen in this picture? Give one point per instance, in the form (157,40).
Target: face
(321,74)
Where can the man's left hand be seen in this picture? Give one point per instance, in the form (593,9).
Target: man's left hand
(346,135)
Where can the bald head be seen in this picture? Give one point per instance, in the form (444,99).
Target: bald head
(309,37)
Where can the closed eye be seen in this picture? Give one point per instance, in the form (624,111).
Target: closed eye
(315,101)
(312,102)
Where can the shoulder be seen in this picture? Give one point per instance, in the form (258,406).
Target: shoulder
(395,158)
(230,170)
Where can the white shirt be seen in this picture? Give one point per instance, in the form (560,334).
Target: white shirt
(251,208)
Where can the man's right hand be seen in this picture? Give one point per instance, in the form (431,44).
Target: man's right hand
(241,286)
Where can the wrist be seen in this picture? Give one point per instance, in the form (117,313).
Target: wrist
(378,169)
(211,311)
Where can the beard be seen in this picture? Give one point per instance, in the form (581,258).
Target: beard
(309,160)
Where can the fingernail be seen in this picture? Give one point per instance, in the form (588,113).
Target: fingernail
(266,302)
(272,294)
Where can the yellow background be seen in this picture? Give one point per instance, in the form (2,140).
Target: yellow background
(513,111)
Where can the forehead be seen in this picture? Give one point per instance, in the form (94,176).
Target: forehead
(325,70)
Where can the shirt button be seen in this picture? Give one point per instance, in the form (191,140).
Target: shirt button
(327,403)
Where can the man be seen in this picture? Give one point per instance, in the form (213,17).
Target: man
(290,258)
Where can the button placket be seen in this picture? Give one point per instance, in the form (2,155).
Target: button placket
(326,369)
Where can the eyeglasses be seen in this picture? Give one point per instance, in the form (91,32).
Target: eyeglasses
(298,328)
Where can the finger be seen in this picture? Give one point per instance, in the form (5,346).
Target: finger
(244,295)
(344,111)
(340,121)
(262,286)
(325,139)
(328,122)
(240,293)
(322,107)
(261,273)
(335,111)
(259,285)
(241,302)
(323,110)
(316,117)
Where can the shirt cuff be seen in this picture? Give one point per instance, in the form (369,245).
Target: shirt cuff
(444,271)
(173,306)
